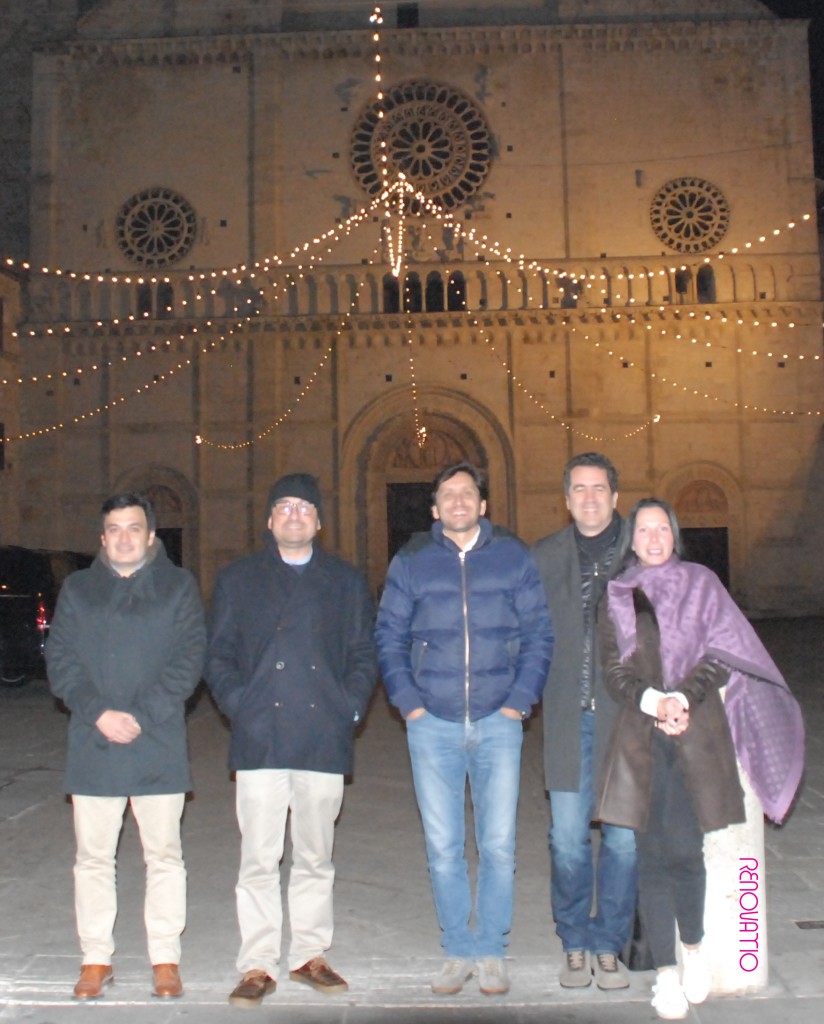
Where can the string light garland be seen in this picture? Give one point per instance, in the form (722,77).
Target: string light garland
(399,201)
(746,406)
(420,428)
(519,384)
(59,376)
(393,196)
(142,389)
(483,247)
(629,363)
(708,319)
(202,439)
(122,399)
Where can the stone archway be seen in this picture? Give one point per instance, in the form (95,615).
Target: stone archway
(703,514)
(380,450)
(175,503)
(708,500)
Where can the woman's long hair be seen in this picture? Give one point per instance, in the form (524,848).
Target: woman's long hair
(624,555)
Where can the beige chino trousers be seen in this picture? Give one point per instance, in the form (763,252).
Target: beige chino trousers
(98,822)
(264,797)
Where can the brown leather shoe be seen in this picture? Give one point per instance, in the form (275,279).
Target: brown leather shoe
(254,985)
(92,979)
(320,976)
(167,983)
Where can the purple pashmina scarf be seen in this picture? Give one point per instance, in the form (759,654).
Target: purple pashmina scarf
(698,619)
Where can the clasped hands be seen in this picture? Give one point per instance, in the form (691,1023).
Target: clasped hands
(673,718)
(118,726)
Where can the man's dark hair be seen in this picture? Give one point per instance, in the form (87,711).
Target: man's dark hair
(129,499)
(591,459)
(477,475)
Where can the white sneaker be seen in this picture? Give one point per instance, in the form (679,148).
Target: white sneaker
(695,980)
(451,978)
(492,976)
(668,999)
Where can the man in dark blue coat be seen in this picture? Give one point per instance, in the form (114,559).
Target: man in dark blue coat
(464,639)
(292,666)
(125,651)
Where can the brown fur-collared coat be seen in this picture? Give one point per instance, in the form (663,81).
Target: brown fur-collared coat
(705,750)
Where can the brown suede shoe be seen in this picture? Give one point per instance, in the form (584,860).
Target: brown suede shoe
(167,983)
(254,985)
(320,976)
(92,979)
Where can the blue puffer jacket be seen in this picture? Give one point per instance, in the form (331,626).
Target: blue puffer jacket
(464,634)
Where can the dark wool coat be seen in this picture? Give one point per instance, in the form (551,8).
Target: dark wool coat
(705,751)
(291,660)
(127,643)
(560,569)
(464,637)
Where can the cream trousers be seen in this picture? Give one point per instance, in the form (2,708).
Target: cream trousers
(98,821)
(264,797)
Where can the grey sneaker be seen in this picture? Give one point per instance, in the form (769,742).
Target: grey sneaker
(494,981)
(609,971)
(451,978)
(576,972)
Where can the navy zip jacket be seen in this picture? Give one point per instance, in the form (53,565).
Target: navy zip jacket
(464,634)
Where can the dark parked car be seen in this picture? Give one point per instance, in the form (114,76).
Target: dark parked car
(29,583)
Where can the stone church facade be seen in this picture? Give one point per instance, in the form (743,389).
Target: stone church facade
(550,226)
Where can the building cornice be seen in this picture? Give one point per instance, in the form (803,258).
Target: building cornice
(181,335)
(712,36)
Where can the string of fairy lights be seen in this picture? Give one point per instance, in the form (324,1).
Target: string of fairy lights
(392,200)
(420,429)
(343,324)
(399,202)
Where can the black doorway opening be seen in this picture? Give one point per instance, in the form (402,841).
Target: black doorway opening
(709,545)
(408,511)
(172,537)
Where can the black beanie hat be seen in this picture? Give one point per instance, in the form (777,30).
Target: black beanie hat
(296,485)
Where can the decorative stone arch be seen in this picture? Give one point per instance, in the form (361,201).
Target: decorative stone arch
(706,495)
(175,501)
(643,294)
(379,447)
(765,282)
(724,281)
(745,285)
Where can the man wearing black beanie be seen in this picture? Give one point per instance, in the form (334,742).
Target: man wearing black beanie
(292,666)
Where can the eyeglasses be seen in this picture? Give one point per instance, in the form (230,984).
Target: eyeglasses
(286,508)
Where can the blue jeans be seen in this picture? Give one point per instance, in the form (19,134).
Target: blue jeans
(443,754)
(573,874)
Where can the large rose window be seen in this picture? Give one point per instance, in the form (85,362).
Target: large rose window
(156,227)
(690,215)
(431,133)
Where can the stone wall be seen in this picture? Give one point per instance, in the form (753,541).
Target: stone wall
(569,304)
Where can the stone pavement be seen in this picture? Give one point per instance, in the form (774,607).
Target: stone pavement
(386,941)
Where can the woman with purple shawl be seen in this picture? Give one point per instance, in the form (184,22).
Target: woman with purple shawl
(671,638)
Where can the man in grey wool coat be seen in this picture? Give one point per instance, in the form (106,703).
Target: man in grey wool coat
(126,649)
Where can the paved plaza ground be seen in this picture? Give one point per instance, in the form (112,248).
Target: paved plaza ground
(386,940)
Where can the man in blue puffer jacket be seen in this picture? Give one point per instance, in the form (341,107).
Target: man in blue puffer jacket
(464,640)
